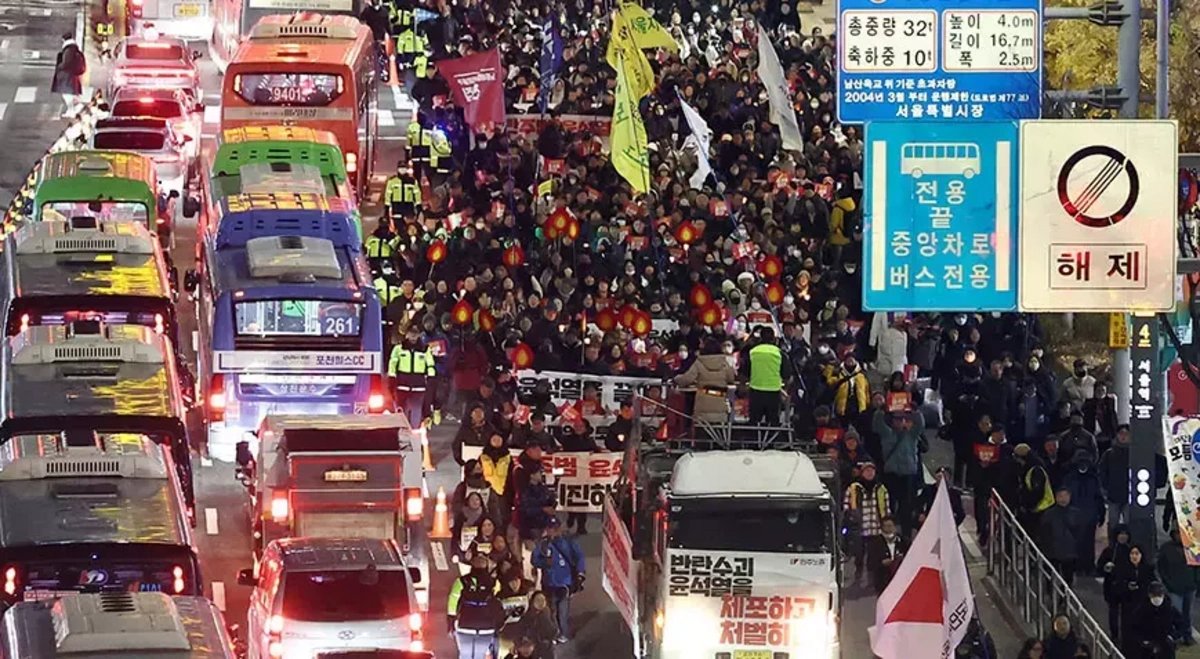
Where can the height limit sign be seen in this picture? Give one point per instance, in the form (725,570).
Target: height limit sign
(939,60)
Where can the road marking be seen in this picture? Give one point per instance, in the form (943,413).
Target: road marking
(4,44)
(386,118)
(25,95)
(206,462)
(973,549)
(46,11)
(3,110)
(212,114)
(218,590)
(32,54)
(196,340)
(439,556)
(210,521)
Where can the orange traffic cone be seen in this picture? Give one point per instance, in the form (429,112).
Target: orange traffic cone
(427,462)
(393,72)
(441,517)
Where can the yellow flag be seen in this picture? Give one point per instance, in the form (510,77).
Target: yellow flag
(622,47)
(646,31)
(546,188)
(628,138)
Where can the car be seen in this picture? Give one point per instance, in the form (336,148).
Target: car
(154,61)
(177,106)
(155,138)
(327,595)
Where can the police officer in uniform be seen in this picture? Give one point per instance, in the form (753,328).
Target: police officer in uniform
(410,368)
(408,45)
(419,139)
(388,288)
(402,195)
(381,245)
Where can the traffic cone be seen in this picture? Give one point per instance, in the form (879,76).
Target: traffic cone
(393,72)
(441,517)
(427,463)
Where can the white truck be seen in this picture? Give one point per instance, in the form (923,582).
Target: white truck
(737,555)
(338,476)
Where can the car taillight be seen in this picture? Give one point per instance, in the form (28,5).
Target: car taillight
(279,509)
(216,398)
(275,625)
(377,397)
(415,621)
(414,503)
(275,649)
(351,162)
(24,322)
(178,584)
(10,581)
(158,323)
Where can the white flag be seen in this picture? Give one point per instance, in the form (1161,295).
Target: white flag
(925,610)
(701,137)
(783,112)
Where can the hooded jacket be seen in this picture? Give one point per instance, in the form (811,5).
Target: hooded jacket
(711,372)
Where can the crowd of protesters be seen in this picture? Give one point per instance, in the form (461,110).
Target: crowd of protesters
(474,274)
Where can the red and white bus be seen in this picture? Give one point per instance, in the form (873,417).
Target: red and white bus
(232,20)
(309,70)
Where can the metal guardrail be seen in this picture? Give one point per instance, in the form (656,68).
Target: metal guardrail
(1033,588)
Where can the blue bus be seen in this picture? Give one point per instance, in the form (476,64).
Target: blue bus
(289,320)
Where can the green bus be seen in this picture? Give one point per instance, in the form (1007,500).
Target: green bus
(105,186)
(275,160)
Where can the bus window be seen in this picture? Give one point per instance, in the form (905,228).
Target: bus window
(263,318)
(127,211)
(303,89)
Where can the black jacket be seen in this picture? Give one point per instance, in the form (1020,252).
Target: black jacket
(1150,631)
(877,552)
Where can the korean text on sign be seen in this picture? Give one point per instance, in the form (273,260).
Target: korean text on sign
(991,40)
(764,621)
(583,480)
(710,576)
(1098,266)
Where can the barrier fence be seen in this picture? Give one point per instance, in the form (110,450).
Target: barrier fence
(1033,589)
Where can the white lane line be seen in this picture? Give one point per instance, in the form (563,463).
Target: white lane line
(212,114)
(32,54)
(3,110)
(218,590)
(4,44)
(210,521)
(25,95)
(195,340)
(206,462)
(386,118)
(439,556)
(45,12)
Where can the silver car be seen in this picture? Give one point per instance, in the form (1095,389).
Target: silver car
(154,138)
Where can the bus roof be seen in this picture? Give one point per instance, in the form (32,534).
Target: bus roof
(129,625)
(124,175)
(304,40)
(235,270)
(61,490)
(295,147)
(257,139)
(746,473)
(59,259)
(89,369)
(250,216)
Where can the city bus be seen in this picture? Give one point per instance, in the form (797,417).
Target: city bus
(92,512)
(89,376)
(289,324)
(313,71)
(103,185)
(56,273)
(233,20)
(267,214)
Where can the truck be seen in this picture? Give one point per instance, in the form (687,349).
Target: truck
(731,537)
(337,476)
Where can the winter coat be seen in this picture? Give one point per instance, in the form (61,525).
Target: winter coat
(1086,494)
(530,502)
(902,451)
(1151,630)
(1132,581)
(1060,647)
(711,372)
(69,69)
(1174,571)
(1118,555)
(1060,527)
(843,384)
(1078,390)
(559,559)
(536,625)
(469,435)
(892,352)
(1114,473)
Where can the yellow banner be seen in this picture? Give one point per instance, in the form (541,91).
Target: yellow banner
(546,188)
(647,32)
(1118,330)
(628,138)
(623,47)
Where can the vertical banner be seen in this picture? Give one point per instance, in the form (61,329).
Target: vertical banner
(618,570)
(1145,425)
(1183,435)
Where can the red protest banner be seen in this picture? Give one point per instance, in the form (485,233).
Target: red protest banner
(477,82)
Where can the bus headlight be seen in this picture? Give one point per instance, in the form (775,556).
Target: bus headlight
(351,162)
(279,510)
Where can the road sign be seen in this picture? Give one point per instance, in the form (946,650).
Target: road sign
(939,219)
(1098,215)
(939,60)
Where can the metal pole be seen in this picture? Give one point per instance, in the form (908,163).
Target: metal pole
(1163,38)
(1129,37)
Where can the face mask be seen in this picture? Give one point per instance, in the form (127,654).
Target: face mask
(683,354)
(851,269)
(995,314)
(1156,601)
(1034,365)
(960,320)
(756,305)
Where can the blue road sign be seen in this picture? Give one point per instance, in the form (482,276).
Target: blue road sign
(940,216)
(939,60)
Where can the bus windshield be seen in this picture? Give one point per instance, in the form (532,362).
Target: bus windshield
(105,211)
(46,580)
(315,318)
(289,89)
(750,526)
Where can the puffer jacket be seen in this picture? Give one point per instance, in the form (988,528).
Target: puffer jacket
(902,450)
(711,372)
(892,352)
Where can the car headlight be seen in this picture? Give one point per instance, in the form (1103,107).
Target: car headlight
(681,625)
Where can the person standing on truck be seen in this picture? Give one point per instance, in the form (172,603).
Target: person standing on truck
(410,370)
(473,612)
(766,372)
(563,571)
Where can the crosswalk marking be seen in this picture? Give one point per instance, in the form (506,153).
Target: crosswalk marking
(25,95)
(218,593)
(32,54)
(4,44)
(210,521)
(386,118)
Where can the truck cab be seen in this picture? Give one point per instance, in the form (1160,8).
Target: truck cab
(337,476)
(736,541)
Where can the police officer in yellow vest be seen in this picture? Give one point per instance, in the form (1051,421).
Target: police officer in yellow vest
(419,140)
(388,288)
(402,195)
(409,369)
(1035,492)
(766,370)
(381,245)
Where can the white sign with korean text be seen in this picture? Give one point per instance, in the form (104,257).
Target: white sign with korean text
(567,388)
(1097,215)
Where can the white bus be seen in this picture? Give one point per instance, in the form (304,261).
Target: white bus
(953,159)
